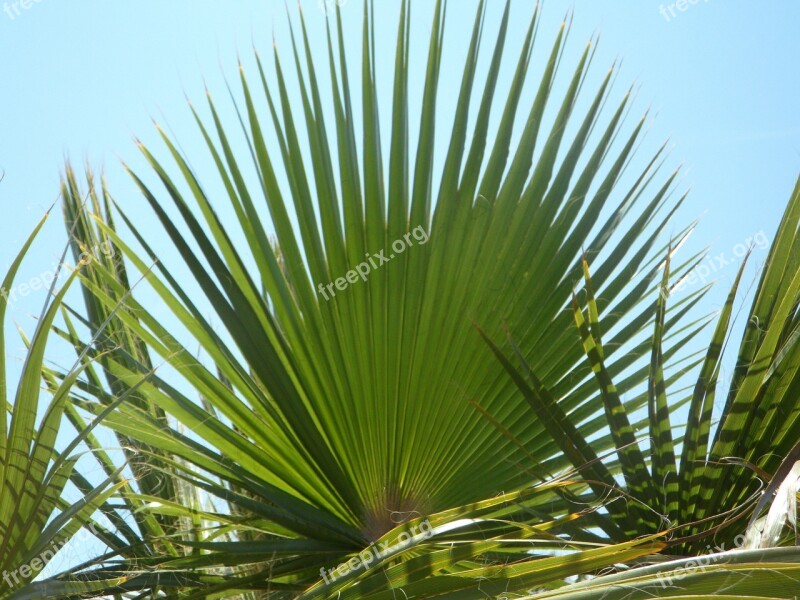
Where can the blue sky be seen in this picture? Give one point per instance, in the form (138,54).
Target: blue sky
(82,78)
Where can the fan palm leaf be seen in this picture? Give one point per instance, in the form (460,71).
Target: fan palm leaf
(346,390)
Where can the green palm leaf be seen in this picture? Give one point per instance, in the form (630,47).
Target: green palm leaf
(36,520)
(345,386)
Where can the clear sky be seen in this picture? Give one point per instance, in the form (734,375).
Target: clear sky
(81,78)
